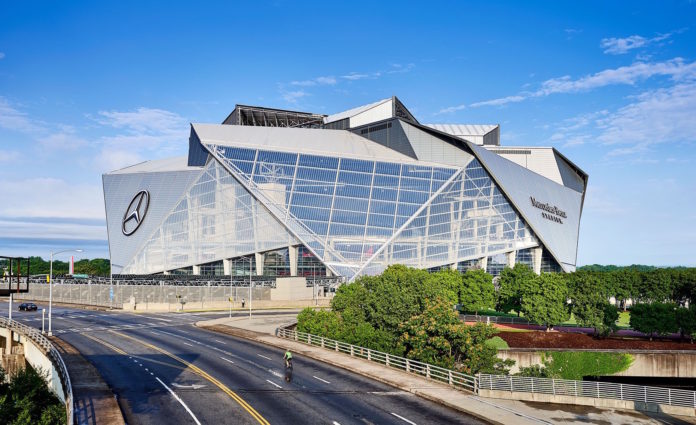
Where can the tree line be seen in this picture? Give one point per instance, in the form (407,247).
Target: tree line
(93,267)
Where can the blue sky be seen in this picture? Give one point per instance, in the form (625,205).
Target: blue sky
(90,87)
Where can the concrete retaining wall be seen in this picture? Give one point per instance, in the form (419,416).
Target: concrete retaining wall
(588,401)
(669,364)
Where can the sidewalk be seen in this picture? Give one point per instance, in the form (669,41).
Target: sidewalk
(262,329)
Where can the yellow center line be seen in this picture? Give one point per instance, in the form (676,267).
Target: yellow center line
(118,350)
(256,415)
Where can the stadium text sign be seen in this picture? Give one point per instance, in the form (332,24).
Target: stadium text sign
(549,212)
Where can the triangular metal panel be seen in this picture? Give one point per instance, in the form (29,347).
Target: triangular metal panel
(551,210)
(215,219)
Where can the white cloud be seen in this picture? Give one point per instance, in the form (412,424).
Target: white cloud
(294,96)
(499,102)
(51,197)
(620,46)
(65,139)
(155,131)
(2,55)
(451,109)
(353,76)
(398,68)
(676,69)
(144,121)
(9,156)
(12,118)
(657,116)
(319,81)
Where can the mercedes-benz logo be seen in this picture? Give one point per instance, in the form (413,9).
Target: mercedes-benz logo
(135,214)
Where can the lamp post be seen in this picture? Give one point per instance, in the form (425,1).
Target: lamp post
(50,287)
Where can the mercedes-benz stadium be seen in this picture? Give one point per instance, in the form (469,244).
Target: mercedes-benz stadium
(284,193)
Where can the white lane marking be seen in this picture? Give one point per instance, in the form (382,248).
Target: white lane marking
(179,400)
(221,342)
(159,318)
(227,360)
(273,383)
(336,423)
(183,332)
(322,380)
(276,374)
(403,419)
(261,355)
(186,343)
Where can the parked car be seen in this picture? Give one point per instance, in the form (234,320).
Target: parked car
(28,307)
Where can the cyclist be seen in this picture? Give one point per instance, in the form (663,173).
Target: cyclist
(288,358)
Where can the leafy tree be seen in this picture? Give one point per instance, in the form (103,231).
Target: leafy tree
(437,336)
(26,399)
(654,318)
(450,282)
(590,302)
(512,284)
(544,302)
(686,322)
(477,291)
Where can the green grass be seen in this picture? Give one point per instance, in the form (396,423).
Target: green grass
(577,364)
(498,343)
(624,319)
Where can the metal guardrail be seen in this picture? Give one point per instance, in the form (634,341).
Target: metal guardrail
(436,373)
(610,390)
(51,352)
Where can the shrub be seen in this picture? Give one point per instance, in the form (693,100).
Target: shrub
(578,364)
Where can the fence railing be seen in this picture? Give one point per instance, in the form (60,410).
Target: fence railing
(496,319)
(50,351)
(436,373)
(611,390)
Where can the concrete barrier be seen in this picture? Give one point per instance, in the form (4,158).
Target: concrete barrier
(41,355)
(653,363)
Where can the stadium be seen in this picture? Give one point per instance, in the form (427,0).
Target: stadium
(281,193)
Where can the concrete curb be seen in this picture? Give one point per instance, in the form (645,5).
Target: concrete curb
(282,343)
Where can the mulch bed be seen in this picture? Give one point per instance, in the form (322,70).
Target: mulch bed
(541,339)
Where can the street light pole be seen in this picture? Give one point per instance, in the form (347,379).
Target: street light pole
(50,288)
(250,283)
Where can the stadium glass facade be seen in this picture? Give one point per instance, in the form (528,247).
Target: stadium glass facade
(279,201)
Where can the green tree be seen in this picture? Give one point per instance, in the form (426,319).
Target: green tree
(477,291)
(654,318)
(511,285)
(450,282)
(545,302)
(686,322)
(27,400)
(438,337)
(590,306)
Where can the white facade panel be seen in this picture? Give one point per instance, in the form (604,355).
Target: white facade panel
(379,112)
(164,188)
(521,185)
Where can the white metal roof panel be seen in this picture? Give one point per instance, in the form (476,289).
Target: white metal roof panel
(178,163)
(315,141)
(461,130)
(355,111)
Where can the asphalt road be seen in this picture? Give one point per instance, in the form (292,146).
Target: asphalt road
(165,370)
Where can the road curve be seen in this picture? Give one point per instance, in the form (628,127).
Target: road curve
(163,369)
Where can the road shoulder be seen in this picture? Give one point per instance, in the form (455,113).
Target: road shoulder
(95,403)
